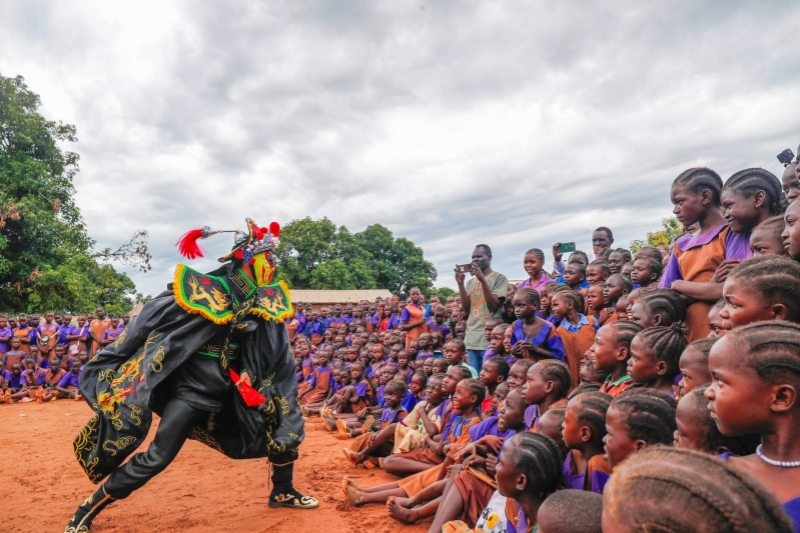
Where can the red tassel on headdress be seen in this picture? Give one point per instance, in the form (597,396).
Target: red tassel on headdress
(275,229)
(187,245)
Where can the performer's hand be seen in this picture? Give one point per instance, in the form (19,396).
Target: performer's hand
(244,378)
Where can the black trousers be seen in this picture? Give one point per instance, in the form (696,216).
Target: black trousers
(177,421)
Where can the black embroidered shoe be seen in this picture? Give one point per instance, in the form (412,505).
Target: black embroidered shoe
(292,499)
(82,519)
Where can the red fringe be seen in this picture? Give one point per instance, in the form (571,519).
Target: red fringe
(187,245)
(251,397)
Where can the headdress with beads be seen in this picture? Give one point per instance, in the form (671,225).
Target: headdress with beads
(246,245)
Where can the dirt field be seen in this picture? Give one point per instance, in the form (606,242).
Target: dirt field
(201,491)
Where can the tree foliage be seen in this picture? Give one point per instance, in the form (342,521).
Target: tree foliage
(315,254)
(670,230)
(47,259)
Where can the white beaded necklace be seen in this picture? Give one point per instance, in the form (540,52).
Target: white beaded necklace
(782,464)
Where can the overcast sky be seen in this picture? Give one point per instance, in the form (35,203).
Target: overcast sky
(451,123)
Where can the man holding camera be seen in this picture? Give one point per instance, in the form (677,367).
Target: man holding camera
(482,298)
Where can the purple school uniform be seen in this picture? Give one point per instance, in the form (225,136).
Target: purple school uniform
(70,380)
(301,321)
(379,396)
(597,480)
(532,417)
(6,346)
(443,329)
(554,344)
(673,271)
(391,416)
(16,382)
(737,246)
(519,523)
(410,401)
(6,375)
(545,279)
(490,427)
(336,322)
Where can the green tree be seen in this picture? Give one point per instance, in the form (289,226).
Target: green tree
(443,293)
(670,230)
(315,254)
(46,255)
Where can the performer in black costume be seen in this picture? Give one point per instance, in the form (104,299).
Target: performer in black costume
(179,358)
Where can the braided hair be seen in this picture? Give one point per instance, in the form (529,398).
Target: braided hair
(537,252)
(774,224)
(701,178)
(557,372)
(712,439)
(749,181)
(665,303)
(649,415)
(775,278)
(665,344)
(626,254)
(531,296)
(603,266)
(626,283)
(649,252)
(771,348)
(576,511)
(476,388)
(572,296)
(624,331)
(501,364)
(581,253)
(592,412)
(703,494)
(583,388)
(539,459)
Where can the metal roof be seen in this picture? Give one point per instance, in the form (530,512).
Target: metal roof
(338,297)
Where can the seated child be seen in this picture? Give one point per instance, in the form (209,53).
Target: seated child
(15,385)
(365,441)
(412,432)
(53,376)
(527,474)
(518,373)
(320,383)
(69,385)
(437,323)
(416,391)
(497,344)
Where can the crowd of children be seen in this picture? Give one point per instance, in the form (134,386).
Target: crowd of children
(41,356)
(647,390)
(653,390)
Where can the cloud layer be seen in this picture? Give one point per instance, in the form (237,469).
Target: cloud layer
(451,123)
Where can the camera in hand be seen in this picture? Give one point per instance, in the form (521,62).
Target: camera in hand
(566,247)
(786,157)
(463,269)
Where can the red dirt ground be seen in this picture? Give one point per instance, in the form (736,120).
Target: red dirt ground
(200,491)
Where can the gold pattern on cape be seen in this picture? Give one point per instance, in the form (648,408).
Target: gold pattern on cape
(112,446)
(107,375)
(275,304)
(158,358)
(238,279)
(83,444)
(135,412)
(215,299)
(204,438)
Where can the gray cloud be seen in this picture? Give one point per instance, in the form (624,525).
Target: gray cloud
(516,124)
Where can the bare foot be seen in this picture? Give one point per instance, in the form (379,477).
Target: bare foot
(399,513)
(354,495)
(404,502)
(329,423)
(349,481)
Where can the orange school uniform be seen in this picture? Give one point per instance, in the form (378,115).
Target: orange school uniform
(577,339)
